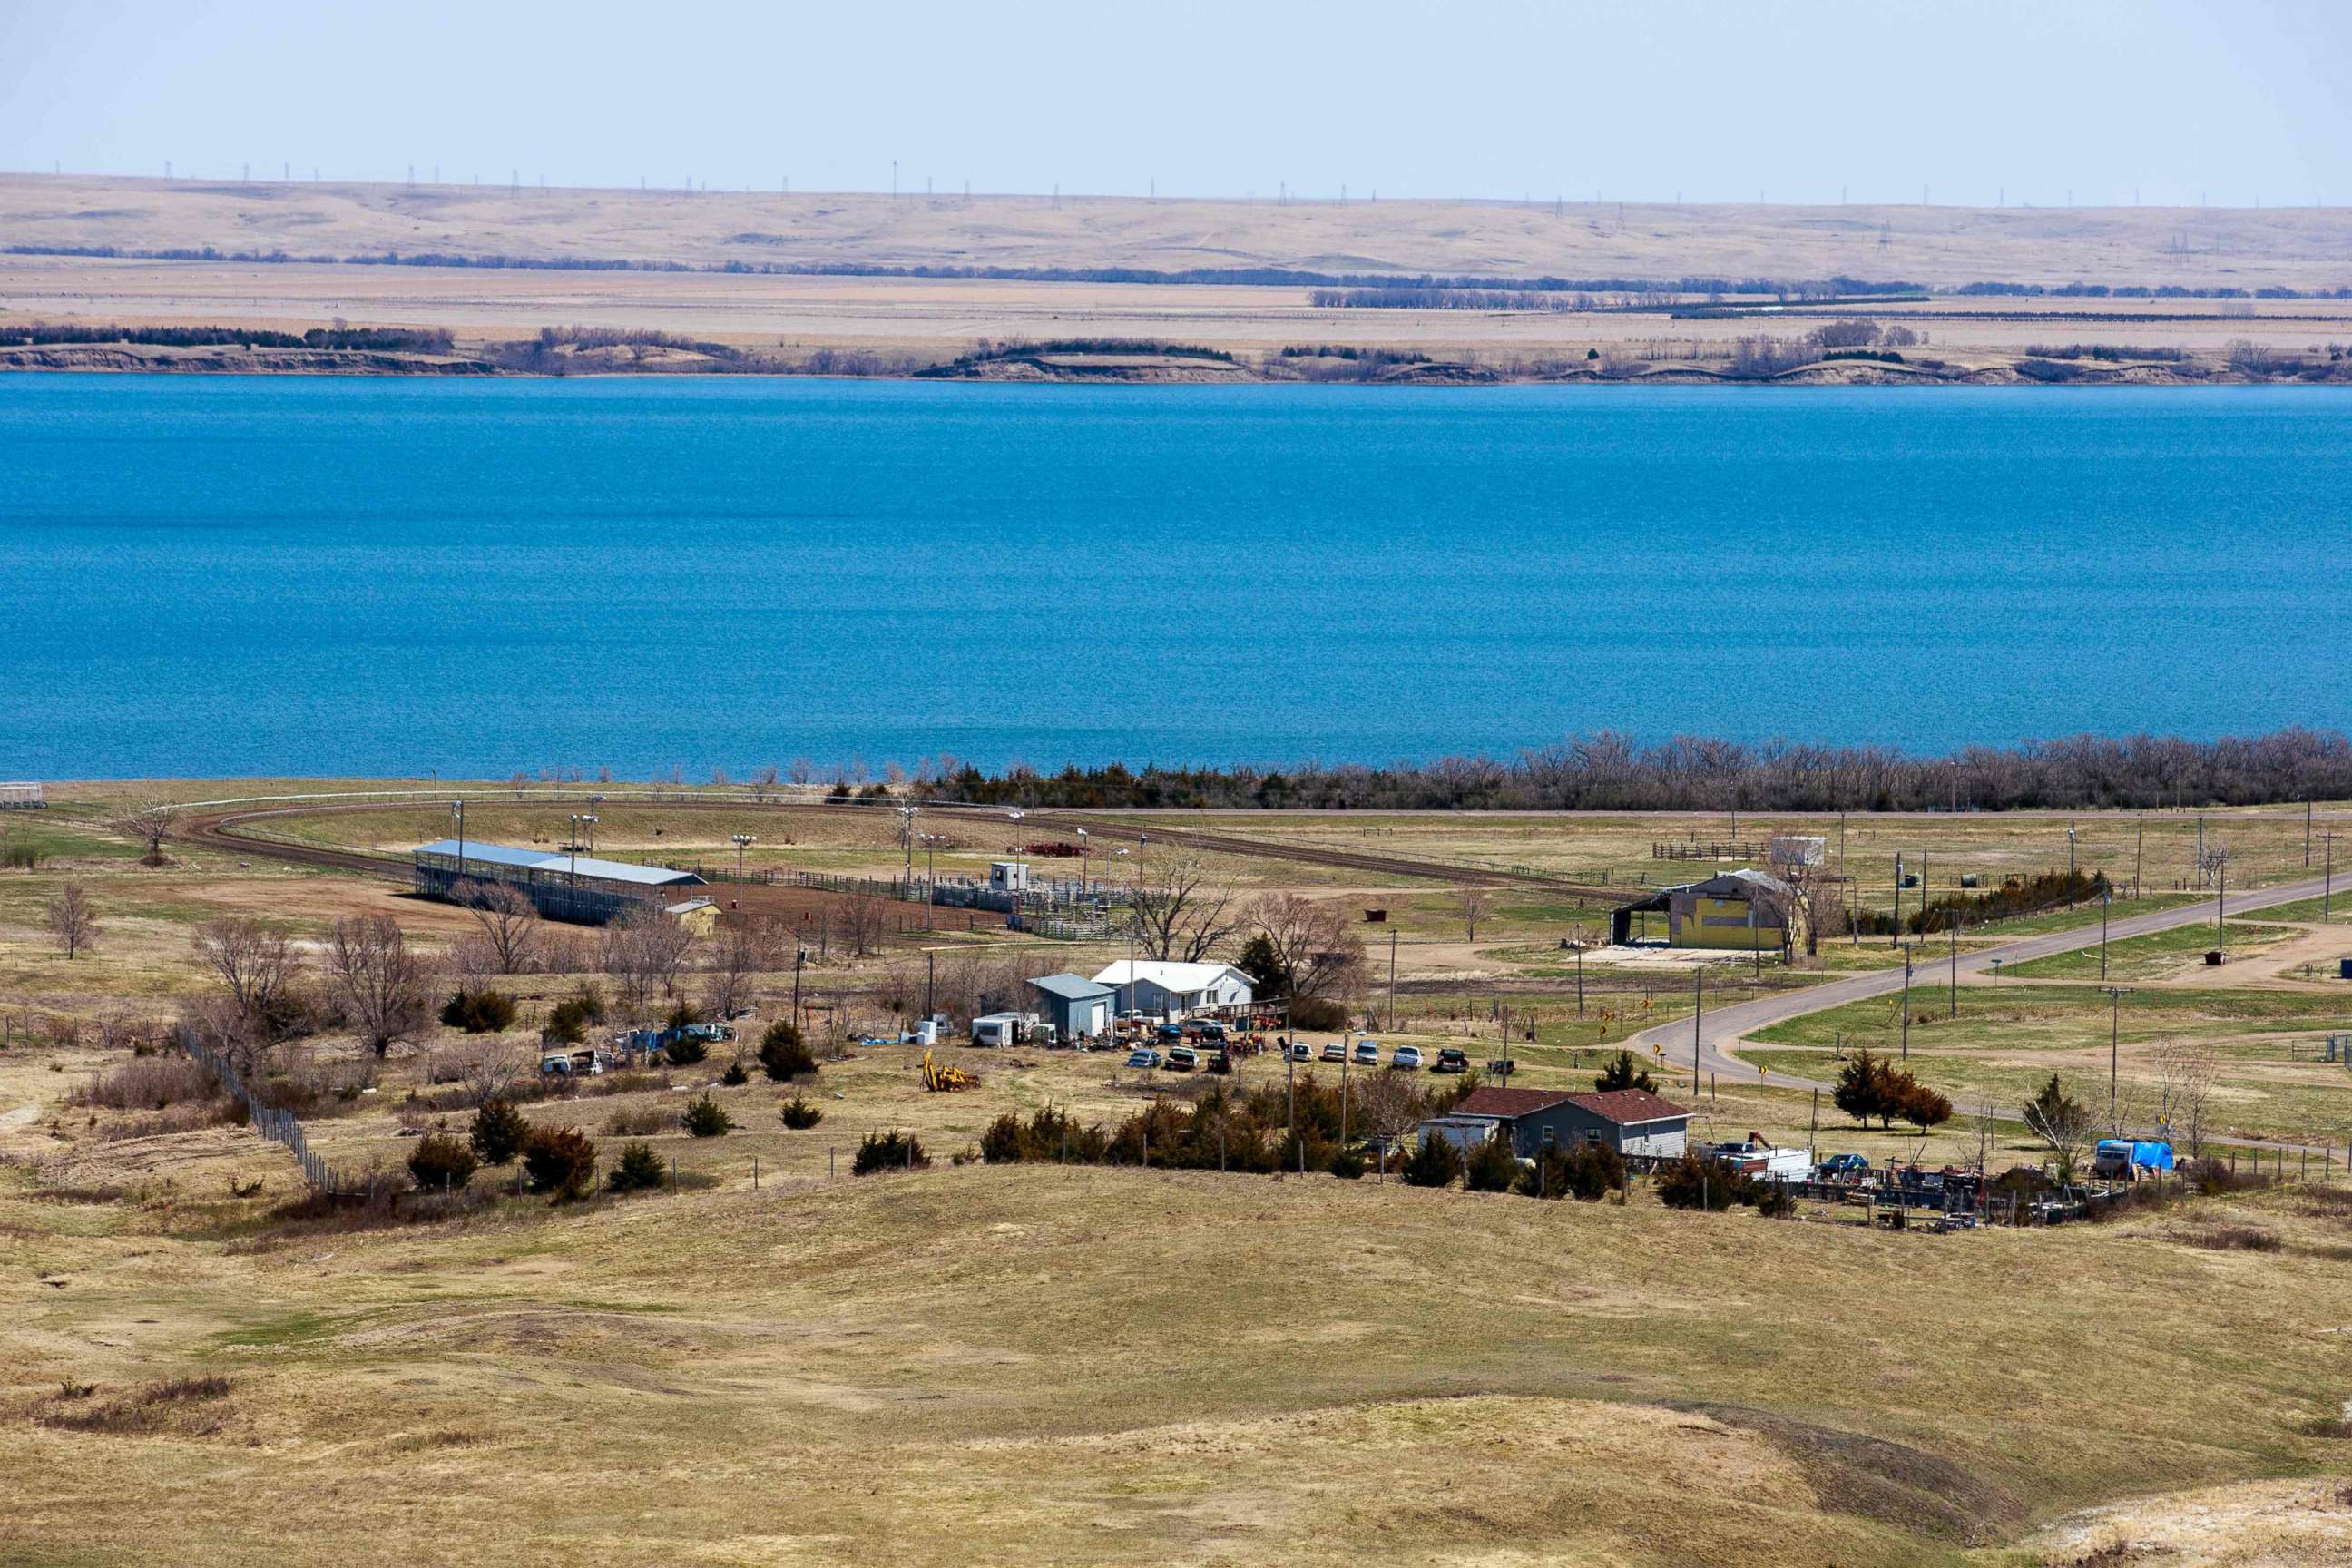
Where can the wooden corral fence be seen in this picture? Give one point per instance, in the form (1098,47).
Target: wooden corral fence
(1693,849)
(277,1126)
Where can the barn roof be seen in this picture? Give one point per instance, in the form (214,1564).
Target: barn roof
(580,864)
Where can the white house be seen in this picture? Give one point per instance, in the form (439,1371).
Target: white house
(1161,989)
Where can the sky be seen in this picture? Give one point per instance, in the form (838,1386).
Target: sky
(2166,102)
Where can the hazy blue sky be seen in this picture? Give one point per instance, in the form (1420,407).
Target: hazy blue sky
(1717,98)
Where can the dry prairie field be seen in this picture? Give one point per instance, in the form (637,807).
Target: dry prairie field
(766,1359)
(910,321)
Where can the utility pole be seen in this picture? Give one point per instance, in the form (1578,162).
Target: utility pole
(2070,865)
(1898,941)
(2139,851)
(1698,980)
(2327,885)
(1906,1002)
(2222,911)
(1393,947)
(2103,905)
(2307,835)
(1955,965)
(2116,994)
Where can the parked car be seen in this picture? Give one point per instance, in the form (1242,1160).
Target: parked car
(1407,1058)
(1844,1166)
(1171,1032)
(1334,1052)
(1221,1061)
(1212,1031)
(1143,1056)
(1451,1060)
(1368,1053)
(1184,1059)
(1300,1051)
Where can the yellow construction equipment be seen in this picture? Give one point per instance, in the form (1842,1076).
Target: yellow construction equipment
(941,1076)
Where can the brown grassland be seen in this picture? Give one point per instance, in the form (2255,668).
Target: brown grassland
(1064,1364)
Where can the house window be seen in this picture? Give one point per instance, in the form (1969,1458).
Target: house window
(1547,1135)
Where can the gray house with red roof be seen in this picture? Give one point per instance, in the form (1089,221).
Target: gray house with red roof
(1630,1120)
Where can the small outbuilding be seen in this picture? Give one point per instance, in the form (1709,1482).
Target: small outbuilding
(699,916)
(1078,1007)
(1630,1120)
(1741,911)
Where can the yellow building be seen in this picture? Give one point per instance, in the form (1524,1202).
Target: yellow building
(699,916)
(1738,911)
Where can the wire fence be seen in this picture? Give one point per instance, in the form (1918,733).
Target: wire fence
(277,1126)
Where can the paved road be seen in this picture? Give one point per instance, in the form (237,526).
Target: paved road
(1722,1027)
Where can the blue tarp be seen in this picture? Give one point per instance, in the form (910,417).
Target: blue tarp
(2144,1156)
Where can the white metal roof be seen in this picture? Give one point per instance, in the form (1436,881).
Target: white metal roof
(1170,977)
(580,864)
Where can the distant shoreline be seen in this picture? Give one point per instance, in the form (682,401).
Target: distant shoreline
(83,359)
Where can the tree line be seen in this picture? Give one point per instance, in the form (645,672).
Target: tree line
(1611,771)
(381,339)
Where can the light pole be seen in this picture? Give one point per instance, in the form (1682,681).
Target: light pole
(2116,994)
(575,847)
(906,838)
(2105,903)
(742,841)
(1086,849)
(458,810)
(2070,865)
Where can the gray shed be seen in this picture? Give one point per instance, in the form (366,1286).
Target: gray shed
(1075,1004)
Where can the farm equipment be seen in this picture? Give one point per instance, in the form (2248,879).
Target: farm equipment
(941,1077)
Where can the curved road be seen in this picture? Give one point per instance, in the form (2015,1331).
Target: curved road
(1722,1029)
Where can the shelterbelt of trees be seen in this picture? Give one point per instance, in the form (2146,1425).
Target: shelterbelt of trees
(1612,772)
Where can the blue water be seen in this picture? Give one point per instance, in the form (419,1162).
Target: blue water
(247,576)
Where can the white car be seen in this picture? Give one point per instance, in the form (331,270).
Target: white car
(1406,1059)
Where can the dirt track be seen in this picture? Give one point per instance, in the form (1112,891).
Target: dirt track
(217,830)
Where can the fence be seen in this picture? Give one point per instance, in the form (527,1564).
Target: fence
(277,1126)
(1692,850)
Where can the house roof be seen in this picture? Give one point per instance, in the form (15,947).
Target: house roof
(688,906)
(1622,1106)
(1170,976)
(1070,987)
(1627,1106)
(570,865)
(1509,1102)
(1746,882)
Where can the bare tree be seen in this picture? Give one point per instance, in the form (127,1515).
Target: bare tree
(146,824)
(864,918)
(2064,1124)
(489,1070)
(512,927)
(381,980)
(72,920)
(1318,951)
(763,782)
(256,966)
(1471,902)
(1187,916)
(644,949)
(2185,1072)
(745,946)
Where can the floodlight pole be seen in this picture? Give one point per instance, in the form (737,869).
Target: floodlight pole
(458,809)
(742,840)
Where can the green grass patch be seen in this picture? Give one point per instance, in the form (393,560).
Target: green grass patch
(2156,953)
